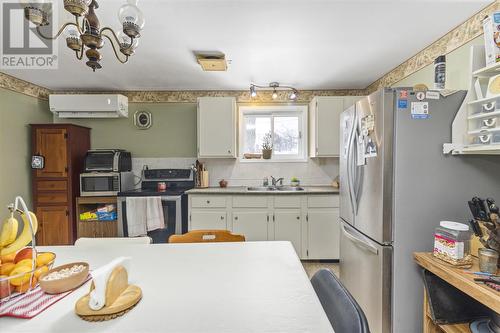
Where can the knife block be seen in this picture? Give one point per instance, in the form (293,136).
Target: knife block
(204,179)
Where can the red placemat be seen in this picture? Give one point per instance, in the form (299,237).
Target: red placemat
(30,304)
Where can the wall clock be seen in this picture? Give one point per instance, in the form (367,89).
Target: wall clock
(143,119)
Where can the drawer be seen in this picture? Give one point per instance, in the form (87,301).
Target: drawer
(49,198)
(250,201)
(52,185)
(287,201)
(208,201)
(323,201)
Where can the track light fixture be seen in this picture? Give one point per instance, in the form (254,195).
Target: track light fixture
(275,86)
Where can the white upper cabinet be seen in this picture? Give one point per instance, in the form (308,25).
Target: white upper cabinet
(217,127)
(324,125)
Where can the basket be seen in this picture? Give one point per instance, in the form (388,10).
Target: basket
(18,284)
(27,277)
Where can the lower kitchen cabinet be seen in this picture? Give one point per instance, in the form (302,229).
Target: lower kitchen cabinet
(309,222)
(53,222)
(95,228)
(252,224)
(287,226)
(208,219)
(323,233)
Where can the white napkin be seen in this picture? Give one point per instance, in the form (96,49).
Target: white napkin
(100,278)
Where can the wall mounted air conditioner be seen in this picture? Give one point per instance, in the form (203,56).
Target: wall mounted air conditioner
(89,106)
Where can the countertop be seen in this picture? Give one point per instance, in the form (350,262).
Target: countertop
(243,190)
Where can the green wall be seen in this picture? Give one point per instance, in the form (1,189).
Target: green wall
(457,69)
(17,111)
(173,133)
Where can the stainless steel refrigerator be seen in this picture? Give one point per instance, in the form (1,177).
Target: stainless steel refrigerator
(395,186)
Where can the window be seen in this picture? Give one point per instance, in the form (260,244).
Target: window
(284,127)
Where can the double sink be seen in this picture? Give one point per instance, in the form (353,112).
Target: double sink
(274,188)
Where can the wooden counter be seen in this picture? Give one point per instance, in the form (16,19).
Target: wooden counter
(460,280)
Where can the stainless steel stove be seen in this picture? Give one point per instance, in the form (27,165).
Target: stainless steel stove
(173,197)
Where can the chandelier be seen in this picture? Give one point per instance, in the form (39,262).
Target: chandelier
(275,86)
(85,34)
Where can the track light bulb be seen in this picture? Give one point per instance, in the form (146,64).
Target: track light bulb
(253,92)
(275,94)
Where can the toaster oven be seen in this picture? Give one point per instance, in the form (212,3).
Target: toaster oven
(108,160)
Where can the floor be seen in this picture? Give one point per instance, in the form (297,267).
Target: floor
(312,267)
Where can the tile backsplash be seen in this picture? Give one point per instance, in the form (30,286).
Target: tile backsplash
(312,172)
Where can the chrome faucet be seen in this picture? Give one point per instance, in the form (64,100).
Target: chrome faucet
(265,182)
(276,181)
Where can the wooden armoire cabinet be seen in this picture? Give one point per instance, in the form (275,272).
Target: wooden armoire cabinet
(57,184)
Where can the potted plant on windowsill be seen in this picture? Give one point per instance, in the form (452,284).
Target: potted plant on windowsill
(267,146)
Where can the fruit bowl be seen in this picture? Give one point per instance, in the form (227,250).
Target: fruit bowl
(18,276)
(64,283)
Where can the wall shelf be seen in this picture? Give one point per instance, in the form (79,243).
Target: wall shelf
(470,126)
(487,71)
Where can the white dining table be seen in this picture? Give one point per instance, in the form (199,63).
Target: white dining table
(216,287)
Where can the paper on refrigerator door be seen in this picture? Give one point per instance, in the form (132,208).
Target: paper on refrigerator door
(361,160)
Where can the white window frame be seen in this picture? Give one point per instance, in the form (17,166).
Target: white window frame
(283,110)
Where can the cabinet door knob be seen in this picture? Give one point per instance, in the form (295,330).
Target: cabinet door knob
(298,217)
(222,217)
(236,217)
(229,151)
(208,201)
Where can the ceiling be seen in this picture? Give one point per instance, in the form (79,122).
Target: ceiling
(310,44)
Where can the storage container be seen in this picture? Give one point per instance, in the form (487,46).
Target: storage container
(452,243)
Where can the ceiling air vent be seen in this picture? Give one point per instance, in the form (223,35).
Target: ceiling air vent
(212,61)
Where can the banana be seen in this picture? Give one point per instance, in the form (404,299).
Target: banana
(9,231)
(24,238)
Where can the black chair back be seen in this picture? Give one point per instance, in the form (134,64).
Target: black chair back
(340,307)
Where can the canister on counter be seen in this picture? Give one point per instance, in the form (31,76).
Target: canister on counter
(452,243)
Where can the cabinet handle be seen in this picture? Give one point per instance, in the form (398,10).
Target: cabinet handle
(208,201)
(298,217)
(222,217)
(236,217)
(229,151)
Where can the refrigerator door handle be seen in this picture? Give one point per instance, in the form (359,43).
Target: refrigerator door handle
(358,241)
(351,167)
(357,174)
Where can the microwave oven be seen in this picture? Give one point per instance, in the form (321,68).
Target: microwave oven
(94,184)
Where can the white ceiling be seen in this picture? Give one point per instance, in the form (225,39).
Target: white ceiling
(310,44)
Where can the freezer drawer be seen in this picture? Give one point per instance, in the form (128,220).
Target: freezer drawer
(366,270)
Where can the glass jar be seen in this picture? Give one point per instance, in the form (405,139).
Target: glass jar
(452,243)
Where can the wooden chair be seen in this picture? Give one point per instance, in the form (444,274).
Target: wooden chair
(206,236)
(109,241)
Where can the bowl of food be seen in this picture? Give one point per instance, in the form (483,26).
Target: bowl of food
(18,272)
(64,278)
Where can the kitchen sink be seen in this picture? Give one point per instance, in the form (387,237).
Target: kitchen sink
(261,188)
(289,188)
(274,188)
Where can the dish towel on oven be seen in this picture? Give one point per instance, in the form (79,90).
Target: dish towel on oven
(154,214)
(144,214)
